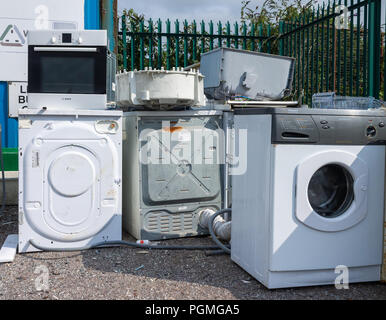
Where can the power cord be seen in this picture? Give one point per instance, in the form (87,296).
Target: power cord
(219,245)
(124,243)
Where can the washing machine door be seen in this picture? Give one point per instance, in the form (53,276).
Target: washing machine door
(331,190)
(71,181)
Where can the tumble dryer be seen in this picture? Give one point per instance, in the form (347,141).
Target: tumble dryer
(312,197)
(171,171)
(70,178)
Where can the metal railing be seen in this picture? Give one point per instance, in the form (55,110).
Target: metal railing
(349,61)
(149,45)
(334,55)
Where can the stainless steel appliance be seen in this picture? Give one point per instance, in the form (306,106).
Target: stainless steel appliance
(70,69)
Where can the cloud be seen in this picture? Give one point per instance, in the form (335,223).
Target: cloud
(183,9)
(216,10)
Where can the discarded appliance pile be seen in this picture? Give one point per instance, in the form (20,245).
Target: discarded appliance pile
(297,191)
(70,146)
(86,157)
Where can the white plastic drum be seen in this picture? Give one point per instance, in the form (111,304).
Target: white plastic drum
(160,89)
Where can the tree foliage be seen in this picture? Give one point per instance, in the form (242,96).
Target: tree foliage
(274,11)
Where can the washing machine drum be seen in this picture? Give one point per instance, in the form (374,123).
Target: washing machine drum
(331,191)
(70,187)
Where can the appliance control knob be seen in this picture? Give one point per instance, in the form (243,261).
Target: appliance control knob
(371,131)
(53,39)
(381,124)
(80,40)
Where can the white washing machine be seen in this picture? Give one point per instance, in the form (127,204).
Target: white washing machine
(312,197)
(70,178)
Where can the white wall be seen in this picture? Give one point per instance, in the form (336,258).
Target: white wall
(19,16)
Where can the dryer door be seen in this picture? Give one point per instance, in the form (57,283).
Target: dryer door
(331,190)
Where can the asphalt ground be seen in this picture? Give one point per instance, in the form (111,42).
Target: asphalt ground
(127,273)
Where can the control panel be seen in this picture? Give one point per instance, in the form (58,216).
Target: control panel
(67,38)
(327,129)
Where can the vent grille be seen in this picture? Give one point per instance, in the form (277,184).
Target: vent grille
(169,223)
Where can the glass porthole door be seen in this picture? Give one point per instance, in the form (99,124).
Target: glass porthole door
(331,191)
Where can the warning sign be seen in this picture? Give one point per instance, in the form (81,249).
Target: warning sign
(17,17)
(17,98)
(12,37)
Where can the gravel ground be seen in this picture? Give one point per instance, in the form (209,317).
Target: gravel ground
(124,273)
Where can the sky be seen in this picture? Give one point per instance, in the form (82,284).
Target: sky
(186,9)
(216,10)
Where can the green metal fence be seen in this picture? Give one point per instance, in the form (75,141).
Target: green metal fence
(349,61)
(156,45)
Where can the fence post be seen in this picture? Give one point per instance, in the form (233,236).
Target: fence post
(141,46)
(124,40)
(244,36)
(281,43)
(219,34)
(253,35)
(132,47)
(269,40)
(211,35)
(237,35)
(228,34)
(159,29)
(185,43)
(374,47)
(202,36)
(177,46)
(151,43)
(168,44)
(194,41)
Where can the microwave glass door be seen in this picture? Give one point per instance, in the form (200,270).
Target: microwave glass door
(67,70)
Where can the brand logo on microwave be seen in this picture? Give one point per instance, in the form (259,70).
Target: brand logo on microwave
(66,99)
(12,37)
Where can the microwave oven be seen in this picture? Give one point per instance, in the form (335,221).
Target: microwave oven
(70,69)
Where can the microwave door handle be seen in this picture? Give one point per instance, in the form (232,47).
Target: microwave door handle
(64,49)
